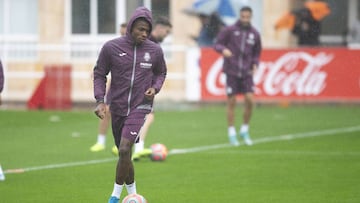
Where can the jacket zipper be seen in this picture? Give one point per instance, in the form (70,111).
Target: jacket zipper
(132,82)
(242,49)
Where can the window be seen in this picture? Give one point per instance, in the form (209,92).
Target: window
(18,17)
(160,8)
(80,16)
(337,22)
(106,16)
(131,6)
(93,17)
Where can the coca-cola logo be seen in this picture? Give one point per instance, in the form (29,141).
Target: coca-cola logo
(215,80)
(295,72)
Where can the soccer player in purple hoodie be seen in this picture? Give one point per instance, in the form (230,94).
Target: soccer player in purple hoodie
(240,44)
(138,71)
(1,80)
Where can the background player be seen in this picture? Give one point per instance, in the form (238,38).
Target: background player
(162,28)
(240,44)
(105,122)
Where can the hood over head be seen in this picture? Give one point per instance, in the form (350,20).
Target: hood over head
(140,12)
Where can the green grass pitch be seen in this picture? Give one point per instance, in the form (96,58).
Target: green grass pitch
(320,163)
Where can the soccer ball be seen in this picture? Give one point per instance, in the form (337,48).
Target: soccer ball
(134,198)
(159,152)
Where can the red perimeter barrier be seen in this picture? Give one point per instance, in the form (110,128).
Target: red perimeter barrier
(304,74)
(54,90)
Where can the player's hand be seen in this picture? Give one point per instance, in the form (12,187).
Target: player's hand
(227,53)
(100,110)
(150,93)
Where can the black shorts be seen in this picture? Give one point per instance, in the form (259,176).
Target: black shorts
(239,85)
(127,126)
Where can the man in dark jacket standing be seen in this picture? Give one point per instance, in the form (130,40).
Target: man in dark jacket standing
(240,44)
(138,71)
(306,28)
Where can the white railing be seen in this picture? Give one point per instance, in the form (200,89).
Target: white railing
(79,54)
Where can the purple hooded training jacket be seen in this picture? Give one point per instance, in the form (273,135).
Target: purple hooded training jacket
(1,77)
(245,45)
(134,69)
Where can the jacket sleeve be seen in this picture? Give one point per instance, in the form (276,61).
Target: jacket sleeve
(221,40)
(101,70)
(257,50)
(160,71)
(1,77)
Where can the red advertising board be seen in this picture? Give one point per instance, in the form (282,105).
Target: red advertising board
(308,74)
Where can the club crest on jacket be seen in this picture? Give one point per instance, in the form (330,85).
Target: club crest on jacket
(147,56)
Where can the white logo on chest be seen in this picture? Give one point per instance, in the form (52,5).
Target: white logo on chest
(147,56)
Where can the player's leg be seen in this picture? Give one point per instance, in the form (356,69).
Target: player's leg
(248,107)
(104,126)
(231,89)
(117,126)
(102,131)
(124,170)
(139,150)
(247,88)
(130,180)
(126,132)
(231,104)
(144,130)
